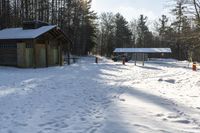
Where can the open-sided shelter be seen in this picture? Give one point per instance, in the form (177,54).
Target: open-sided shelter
(36,44)
(142,53)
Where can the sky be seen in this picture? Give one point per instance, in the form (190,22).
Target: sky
(132,8)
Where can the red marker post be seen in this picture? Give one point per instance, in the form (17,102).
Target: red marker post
(194,66)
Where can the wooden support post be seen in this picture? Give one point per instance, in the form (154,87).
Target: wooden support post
(123,61)
(59,54)
(34,54)
(47,53)
(68,54)
(96,60)
(68,58)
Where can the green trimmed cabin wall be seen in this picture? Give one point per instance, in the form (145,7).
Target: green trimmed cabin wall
(31,54)
(44,55)
(44,51)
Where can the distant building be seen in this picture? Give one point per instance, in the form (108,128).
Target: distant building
(141,54)
(36,44)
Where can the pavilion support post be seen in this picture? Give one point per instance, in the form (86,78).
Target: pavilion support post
(143,59)
(135,59)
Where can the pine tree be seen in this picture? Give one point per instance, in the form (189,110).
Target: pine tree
(107,34)
(142,31)
(5,13)
(179,13)
(122,33)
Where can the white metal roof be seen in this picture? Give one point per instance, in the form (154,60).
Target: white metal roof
(19,33)
(142,50)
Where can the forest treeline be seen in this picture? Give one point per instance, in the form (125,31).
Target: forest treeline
(74,17)
(102,34)
(180,31)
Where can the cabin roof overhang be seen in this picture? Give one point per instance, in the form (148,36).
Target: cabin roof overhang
(16,34)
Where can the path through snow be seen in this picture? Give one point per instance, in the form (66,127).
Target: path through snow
(162,97)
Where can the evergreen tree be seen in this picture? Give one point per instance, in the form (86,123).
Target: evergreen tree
(122,32)
(89,27)
(142,31)
(133,29)
(163,30)
(5,14)
(163,25)
(107,34)
(178,25)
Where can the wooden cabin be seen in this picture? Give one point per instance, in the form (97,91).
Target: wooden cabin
(35,45)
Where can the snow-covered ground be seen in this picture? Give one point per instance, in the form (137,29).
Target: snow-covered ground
(162,97)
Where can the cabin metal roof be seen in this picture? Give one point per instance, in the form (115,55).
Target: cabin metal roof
(20,33)
(142,50)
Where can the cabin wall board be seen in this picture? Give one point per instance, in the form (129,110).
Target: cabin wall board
(29,57)
(21,54)
(40,55)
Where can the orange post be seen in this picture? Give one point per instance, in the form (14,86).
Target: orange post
(194,66)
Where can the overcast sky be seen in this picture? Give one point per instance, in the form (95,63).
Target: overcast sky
(132,8)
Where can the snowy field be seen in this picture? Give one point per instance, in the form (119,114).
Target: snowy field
(162,97)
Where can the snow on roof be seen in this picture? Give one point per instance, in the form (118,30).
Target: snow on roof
(19,33)
(142,50)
